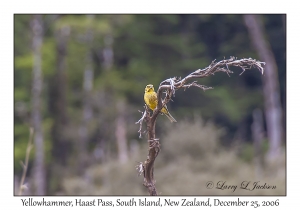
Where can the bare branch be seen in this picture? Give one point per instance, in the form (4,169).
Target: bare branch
(169,87)
(25,166)
(173,84)
(195,84)
(141,121)
(148,166)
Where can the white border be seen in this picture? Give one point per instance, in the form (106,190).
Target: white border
(8,8)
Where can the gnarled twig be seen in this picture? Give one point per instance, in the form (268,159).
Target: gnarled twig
(170,86)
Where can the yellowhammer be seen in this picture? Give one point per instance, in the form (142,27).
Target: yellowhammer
(150,98)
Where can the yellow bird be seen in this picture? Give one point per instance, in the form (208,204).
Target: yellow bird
(150,98)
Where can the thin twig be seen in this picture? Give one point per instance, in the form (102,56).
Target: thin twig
(140,168)
(141,121)
(25,166)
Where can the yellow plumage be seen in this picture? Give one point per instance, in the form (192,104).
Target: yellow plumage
(150,98)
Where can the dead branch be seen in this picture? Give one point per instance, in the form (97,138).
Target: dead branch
(25,166)
(141,120)
(170,86)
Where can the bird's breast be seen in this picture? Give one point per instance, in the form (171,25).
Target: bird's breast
(152,100)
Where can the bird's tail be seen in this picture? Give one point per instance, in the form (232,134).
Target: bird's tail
(170,117)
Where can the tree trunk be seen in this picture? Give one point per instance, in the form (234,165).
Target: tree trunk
(58,100)
(108,53)
(37,85)
(58,108)
(273,108)
(121,132)
(88,78)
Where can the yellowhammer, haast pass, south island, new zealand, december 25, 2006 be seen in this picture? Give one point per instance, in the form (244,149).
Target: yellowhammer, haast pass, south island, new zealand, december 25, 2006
(150,98)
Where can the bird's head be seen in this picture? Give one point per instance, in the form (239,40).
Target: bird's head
(149,88)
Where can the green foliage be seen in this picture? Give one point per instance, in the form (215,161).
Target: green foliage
(22,36)
(49,58)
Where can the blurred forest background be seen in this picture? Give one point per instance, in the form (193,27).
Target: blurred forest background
(79,82)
